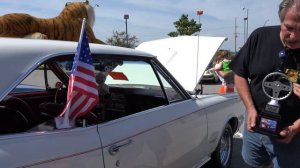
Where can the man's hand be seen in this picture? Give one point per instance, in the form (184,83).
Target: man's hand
(251,119)
(296,89)
(289,132)
(243,89)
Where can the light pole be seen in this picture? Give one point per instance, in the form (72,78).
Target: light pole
(235,35)
(126,16)
(246,19)
(199,13)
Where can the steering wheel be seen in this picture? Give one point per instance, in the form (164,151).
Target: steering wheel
(280,85)
(59,86)
(91,117)
(21,106)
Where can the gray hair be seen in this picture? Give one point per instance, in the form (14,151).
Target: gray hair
(285,5)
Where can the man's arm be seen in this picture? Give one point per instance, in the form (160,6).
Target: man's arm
(224,74)
(243,89)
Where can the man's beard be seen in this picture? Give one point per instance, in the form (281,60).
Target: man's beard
(291,44)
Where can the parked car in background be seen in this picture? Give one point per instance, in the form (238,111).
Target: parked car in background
(147,119)
(210,75)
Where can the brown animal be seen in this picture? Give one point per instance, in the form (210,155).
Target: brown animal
(66,26)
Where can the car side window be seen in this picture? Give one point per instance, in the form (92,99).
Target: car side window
(172,94)
(133,74)
(22,110)
(126,86)
(36,81)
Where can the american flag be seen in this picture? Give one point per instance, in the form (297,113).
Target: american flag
(82,89)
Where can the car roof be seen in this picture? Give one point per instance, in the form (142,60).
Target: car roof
(19,56)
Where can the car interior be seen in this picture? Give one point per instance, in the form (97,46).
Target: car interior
(125,86)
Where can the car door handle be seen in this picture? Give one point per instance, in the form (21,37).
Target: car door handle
(115,148)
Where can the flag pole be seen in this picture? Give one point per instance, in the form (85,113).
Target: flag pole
(64,121)
(82,30)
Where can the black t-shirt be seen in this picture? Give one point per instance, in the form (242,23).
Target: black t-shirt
(256,59)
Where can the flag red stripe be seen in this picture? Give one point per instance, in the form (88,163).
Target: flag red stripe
(86,82)
(86,71)
(82,91)
(82,113)
(75,98)
(79,110)
(80,107)
(92,105)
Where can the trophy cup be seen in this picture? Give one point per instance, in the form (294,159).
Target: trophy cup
(276,86)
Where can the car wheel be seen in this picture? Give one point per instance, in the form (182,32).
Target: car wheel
(221,157)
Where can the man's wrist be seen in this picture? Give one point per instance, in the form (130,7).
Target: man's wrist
(296,126)
(250,108)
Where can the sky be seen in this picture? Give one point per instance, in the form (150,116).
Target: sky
(152,20)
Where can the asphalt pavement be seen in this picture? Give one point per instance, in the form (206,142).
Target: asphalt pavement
(237,160)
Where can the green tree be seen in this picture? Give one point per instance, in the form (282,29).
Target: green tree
(119,39)
(184,26)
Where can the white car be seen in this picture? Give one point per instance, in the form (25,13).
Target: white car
(146,119)
(210,75)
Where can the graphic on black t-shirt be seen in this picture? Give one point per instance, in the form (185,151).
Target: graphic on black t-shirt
(291,65)
(294,75)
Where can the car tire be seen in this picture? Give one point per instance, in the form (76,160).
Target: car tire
(221,157)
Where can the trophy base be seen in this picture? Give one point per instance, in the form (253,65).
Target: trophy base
(268,125)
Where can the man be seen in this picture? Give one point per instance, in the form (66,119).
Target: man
(257,58)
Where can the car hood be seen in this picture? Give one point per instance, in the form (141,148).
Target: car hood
(186,57)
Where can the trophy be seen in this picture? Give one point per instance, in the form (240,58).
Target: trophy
(276,86)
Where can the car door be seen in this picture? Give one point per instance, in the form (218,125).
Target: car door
(68,148)
(41,144)
(169,135)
